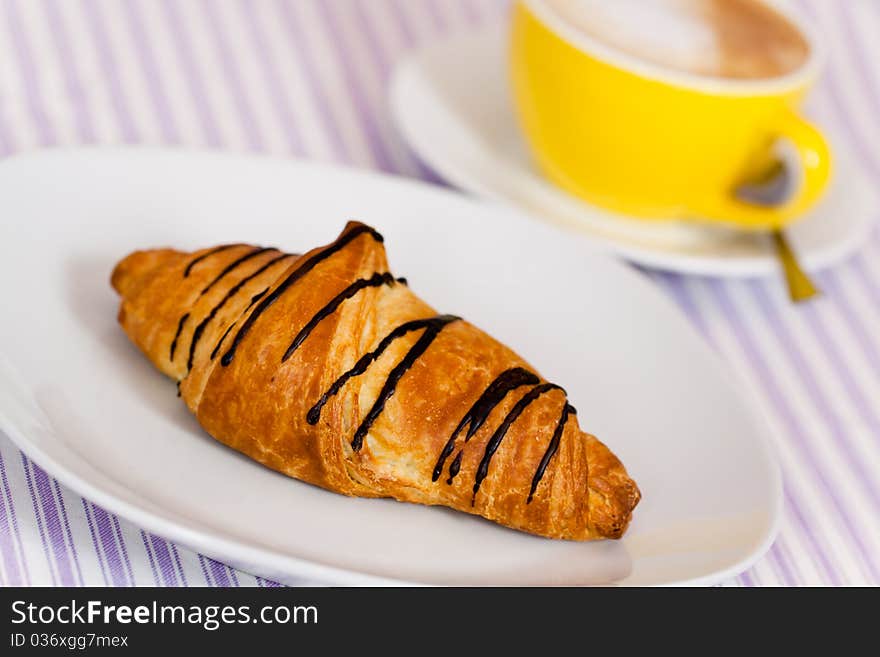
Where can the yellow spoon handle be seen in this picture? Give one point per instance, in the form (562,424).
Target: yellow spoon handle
(800,287)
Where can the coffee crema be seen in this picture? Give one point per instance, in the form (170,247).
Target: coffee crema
(739,39)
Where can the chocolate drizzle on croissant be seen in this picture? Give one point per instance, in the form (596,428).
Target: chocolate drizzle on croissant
(360,284)
(567,410)
(504,383)
(364,361)
(208,254)
(432,328)
(197,333)
(408,389)
(253,253)
(180,324)
(300,271)
(501,431)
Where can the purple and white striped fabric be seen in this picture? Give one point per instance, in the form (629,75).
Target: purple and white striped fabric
(308,78)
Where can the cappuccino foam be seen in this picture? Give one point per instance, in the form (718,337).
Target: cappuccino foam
(719,38)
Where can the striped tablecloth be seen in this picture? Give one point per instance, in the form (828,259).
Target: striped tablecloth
(308,78)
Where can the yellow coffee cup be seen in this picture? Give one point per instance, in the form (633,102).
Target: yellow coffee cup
(656,142)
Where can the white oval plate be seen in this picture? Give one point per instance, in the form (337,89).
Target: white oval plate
(81,401)
(452,104)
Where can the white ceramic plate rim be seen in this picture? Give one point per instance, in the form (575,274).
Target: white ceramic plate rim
(239,553)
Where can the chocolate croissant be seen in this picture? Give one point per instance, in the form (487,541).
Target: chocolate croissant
(326,367)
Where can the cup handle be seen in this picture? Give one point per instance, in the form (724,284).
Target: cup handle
(812,156)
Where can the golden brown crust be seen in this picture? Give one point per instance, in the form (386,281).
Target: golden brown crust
(238,302)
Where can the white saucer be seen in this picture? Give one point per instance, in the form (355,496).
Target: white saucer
(85,404)
(451,101)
